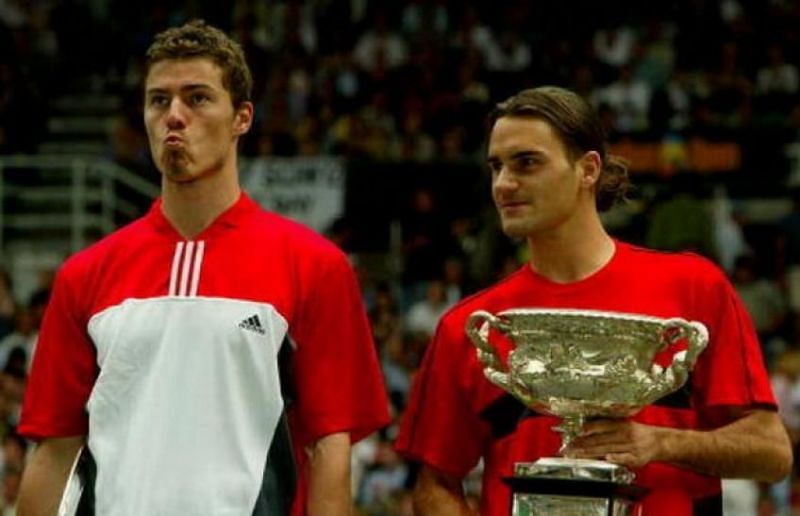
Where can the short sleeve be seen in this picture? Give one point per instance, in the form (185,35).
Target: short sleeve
(731,370)
(64,367)
(336,375)
(441,427)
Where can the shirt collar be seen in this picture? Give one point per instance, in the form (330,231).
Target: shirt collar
(232,217)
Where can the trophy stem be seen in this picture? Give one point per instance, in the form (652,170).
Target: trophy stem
(569,428)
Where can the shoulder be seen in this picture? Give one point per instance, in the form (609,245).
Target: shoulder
(683,265)
(694,281)
(493,298)
(301,242)
(104,252)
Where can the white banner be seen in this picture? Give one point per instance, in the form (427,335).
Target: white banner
(308,190)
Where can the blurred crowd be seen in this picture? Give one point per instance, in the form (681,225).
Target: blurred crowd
(411,81)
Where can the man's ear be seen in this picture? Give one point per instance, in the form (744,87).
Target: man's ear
(243,118)
(590,166)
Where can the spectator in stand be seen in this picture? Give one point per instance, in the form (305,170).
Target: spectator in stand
(384,316)
(378,125)
(397,360)
(655,53)
(387,475)
(26,331)
(13,378)
(424,18)
(764,302)
(413,143)
(472,36)
(424,233)
(454,277)
(681,221)
(629,98)
(508,53)
(423,316)
(777,76)
(730,95)
(613,48)
(777,84)
(380,48)
(727,221)
(788,257)
(670,106)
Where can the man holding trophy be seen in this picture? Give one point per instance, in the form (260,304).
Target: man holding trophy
(600,378)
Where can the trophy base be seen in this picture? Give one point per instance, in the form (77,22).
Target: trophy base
(573,487)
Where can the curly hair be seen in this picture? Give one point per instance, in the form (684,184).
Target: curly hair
(579,129)
(198,39)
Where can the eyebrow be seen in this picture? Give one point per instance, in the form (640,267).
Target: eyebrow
(184,89)
(517,155)
(527,154)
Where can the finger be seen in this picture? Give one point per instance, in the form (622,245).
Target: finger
(597,451)
(601,439)
(601,426)
(582,453)
(623,459)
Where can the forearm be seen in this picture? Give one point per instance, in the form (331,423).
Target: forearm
(46,475)
(755,446)
(329,476)
(436,494)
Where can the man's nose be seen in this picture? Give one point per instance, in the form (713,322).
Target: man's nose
(176,116)
(504,180)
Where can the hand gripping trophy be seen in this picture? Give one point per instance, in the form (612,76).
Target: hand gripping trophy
(576,365)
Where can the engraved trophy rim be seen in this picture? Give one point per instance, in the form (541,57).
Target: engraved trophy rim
(630,316)
(602,366)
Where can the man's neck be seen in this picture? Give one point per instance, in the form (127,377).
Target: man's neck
(192,207)
(572,254)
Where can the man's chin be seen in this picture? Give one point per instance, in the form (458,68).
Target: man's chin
(513,230)
(183,177)
(176,169)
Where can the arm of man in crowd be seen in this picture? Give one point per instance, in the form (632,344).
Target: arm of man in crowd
(439,494)
(753,444)
(46,476)
(329,476)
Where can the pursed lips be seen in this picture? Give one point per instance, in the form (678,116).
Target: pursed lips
(173,139)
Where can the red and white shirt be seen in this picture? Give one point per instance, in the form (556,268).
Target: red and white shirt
(164,351)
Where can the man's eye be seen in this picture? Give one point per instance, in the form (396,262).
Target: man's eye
(158,100)
(198,99)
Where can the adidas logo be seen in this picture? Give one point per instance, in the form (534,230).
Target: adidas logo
(252,323)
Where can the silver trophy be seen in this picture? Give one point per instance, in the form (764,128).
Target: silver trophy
(580,364)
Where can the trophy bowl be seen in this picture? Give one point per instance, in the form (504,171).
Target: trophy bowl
(578,364)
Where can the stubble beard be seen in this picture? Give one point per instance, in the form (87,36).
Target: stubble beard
(175,163)
(515,229)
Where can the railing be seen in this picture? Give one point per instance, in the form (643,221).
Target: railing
(70,197)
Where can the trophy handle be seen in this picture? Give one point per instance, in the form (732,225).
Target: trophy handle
(477,329)
(696,335)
